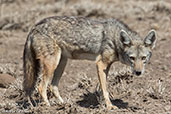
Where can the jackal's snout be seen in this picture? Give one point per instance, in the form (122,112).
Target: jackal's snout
(138,67)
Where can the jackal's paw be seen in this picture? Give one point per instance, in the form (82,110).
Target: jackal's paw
(45,103)
(111,107)
(59,102)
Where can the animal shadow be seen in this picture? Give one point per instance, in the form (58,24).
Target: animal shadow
(89,100)
(92,100)
(120,103)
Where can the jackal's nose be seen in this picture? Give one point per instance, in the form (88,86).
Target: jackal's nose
(138,73)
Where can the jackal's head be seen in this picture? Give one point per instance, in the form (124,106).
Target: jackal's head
(137,52)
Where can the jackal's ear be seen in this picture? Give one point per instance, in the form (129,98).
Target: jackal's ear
(125,39)
(150,39)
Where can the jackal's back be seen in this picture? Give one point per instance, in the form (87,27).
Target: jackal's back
(74,33)
(78,35)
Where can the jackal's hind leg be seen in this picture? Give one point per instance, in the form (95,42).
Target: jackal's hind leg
(57,75)
(48,65)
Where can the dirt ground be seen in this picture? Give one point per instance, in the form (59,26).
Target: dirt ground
(148,94)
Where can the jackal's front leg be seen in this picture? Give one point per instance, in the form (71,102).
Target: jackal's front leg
(102,69)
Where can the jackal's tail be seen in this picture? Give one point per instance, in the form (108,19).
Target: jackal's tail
(31,68)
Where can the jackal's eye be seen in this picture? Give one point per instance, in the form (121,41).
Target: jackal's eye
(143,57)
(132,58)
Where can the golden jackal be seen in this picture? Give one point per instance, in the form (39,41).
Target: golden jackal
(55,39)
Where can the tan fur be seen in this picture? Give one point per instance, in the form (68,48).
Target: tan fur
(138,65)
(101,68)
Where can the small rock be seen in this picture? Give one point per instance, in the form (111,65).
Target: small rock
(6,80)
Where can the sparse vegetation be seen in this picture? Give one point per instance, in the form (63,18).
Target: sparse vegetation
(150,93)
